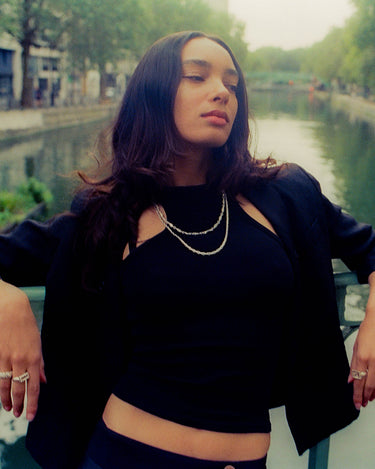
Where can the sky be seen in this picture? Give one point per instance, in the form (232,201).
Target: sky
(289,24)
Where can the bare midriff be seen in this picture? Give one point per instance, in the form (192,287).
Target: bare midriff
(132,422)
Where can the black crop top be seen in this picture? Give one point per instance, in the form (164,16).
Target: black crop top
(205,330)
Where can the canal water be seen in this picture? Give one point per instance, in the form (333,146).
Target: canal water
(292,127)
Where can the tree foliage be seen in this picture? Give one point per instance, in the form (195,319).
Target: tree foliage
(97,32)
(325,58)
(168,16)
(363,35)
(272,59)
(345,55)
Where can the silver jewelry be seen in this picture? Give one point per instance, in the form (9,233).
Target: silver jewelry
(6,374)
(192,233)
(359,374)
(170,227)
(22,378)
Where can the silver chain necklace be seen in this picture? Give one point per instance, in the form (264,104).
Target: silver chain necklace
(172,229)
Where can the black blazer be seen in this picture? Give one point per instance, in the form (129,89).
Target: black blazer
(84,335)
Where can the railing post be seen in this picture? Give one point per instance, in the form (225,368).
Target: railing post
(35,293)
(318,455)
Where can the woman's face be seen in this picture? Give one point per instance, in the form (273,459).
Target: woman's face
(206,104)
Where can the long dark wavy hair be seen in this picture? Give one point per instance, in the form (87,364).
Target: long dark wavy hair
(144,143)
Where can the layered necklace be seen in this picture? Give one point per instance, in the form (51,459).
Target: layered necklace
(174,230)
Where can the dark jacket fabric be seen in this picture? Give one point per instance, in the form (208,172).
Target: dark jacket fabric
(85,338)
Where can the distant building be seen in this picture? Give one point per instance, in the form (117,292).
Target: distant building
(8,80)
(221,5)
(45,69)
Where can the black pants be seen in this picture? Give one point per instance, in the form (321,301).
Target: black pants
(109,450)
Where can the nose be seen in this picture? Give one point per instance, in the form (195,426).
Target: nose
(220,92)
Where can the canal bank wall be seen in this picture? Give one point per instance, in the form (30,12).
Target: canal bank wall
(355,107)
(20,123)
(16,123)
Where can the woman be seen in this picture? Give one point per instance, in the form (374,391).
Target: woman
(188,272)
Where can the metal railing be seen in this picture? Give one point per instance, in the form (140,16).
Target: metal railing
(318,455)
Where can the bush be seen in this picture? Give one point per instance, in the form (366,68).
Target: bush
(14,206)
(35,189)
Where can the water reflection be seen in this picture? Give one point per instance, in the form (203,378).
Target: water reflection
(51,157)
(349,146)
(340,153)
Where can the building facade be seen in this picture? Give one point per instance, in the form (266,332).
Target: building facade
(46,70)
(6,77)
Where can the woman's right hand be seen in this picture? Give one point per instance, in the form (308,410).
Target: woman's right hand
(20,351)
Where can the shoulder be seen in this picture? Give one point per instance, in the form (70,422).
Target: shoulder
(292,176)
(81,201)
(290,192)
(297,186)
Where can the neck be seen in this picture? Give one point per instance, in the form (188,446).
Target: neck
(191,170)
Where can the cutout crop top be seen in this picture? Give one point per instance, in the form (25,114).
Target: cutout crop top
(206,331)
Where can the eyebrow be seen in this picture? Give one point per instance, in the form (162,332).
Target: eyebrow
(205,64)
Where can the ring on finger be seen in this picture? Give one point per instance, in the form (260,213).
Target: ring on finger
(356,374)
(22,378)
(6,374)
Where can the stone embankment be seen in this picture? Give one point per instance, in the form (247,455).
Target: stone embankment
(15,123)
(18,123)
(356,107)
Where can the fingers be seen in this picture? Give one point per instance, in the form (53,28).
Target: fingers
(42,374)
(363,378)
(369,389)
(18,391)
(33,386)
(20,352)
(364,390)
(5,389)
(358,397)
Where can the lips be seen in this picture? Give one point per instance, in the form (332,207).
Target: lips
(218,114)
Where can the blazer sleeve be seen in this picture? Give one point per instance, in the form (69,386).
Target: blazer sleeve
(350,241)
(27,252)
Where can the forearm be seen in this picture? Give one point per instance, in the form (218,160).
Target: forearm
(20,351)
(370,308)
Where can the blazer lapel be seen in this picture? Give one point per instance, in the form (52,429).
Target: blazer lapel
(269,201)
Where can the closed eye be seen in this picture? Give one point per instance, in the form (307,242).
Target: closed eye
(232,88)
(193,77)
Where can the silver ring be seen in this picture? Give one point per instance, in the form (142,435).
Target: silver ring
(6,374)
(22,378)
(356,374)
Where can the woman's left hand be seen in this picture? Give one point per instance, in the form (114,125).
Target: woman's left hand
(362,368)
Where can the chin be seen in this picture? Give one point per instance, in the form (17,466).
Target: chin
(214,141)
(207,142)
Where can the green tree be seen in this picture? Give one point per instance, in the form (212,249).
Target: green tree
(269,61)
(363,33)
(325,58)
(99,32)
(351,68)
(169,16)
(364,29)
(31,23)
